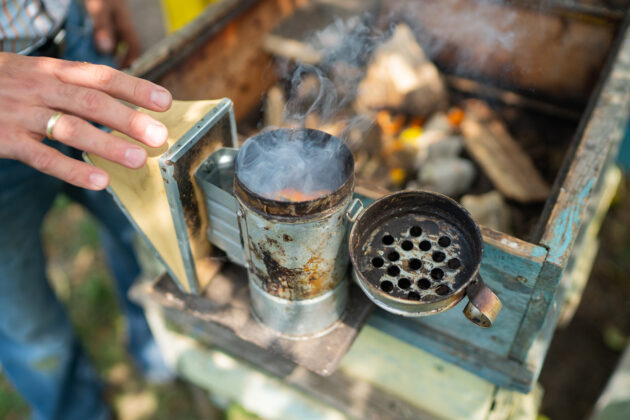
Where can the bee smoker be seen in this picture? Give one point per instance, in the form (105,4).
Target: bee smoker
(291,192)
(282,204)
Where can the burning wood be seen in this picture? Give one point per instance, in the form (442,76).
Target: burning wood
(293,195)
(402,78)
(419,138)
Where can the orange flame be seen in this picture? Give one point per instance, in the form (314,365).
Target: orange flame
(293,195)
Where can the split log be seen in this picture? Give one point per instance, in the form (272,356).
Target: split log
(504,161)
(400,77)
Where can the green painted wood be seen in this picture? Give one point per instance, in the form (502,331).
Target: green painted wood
(494,368)
(418,377)
(511,274)
(511,268)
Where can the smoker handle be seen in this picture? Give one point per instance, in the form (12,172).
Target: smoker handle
(354,210)
(483,306)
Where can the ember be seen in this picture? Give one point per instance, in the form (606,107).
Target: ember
(291,194)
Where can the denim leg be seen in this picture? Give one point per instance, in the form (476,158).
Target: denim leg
(38,349)
(117,236)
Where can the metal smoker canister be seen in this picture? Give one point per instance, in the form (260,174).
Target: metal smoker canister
(296,251)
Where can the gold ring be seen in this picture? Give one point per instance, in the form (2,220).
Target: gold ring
(50,125)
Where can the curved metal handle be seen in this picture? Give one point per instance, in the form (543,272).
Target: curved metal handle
(483,306)
(354,210)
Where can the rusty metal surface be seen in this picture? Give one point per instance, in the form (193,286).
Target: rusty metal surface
(296,261)
(295,250)
(227,305)
(484,305)
(415,252)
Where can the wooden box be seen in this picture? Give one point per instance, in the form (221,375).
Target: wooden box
(567,54)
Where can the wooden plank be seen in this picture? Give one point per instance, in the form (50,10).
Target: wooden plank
(567,209)
(579,267)
(496,41)
(577,9)
(542,339)
(226,305)
(380,378)
(417,377)
(232,63)
(505,162)
(356,399)
(171,50)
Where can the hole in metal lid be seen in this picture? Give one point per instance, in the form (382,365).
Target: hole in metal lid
(438,256)
(437,274)
(413,296)
(424,284)
(444,241)
(407,245)
(404,283)
(388,239)
(377,262)
(393,256)
(425,245)
(415,264)
(387,286)
(415,231)
(393,271)
(453,264)
(442,290)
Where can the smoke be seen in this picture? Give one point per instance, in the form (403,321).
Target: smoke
(467,33)
(327,90)
(473,34)
(308,161)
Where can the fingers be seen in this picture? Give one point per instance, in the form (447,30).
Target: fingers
(117,84)
(101,14)
(52,162)
(126,31)
(99,107)
(81,135)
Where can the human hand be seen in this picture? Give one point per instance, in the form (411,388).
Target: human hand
(113,23)
(32,89)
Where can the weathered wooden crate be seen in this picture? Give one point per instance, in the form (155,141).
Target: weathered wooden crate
(581,60)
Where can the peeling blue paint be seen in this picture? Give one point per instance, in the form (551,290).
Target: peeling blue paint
(565,226)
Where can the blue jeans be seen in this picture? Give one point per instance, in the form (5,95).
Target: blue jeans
(39,350)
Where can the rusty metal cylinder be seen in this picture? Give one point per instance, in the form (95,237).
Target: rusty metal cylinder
(293,188)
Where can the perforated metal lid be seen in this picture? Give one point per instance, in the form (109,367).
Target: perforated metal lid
(415,252)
